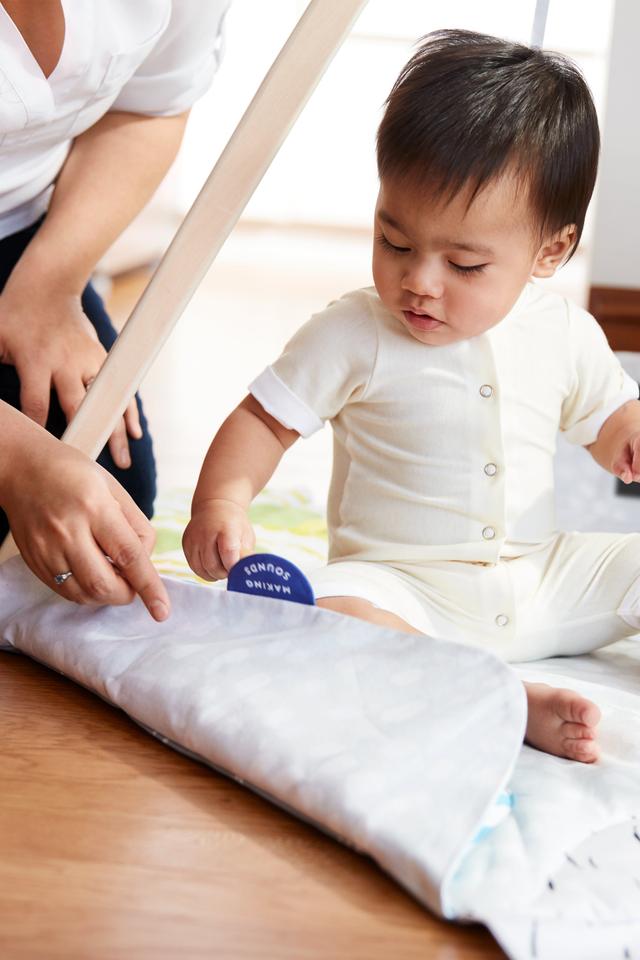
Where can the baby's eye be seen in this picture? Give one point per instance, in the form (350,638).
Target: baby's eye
(382,240)
(476,268)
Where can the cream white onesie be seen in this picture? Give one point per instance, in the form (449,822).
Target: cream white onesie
(441,506)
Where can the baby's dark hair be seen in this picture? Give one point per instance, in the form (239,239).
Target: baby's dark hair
(469,107)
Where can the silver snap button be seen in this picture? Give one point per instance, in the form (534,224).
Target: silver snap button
(486,390)
(490,469)
(502,619)
(488,533)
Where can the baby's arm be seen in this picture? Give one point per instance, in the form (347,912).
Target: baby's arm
(617,447)
(242,457)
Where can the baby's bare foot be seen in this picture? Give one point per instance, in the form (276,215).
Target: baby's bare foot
(562,722)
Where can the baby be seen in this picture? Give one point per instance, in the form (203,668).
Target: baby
(447,383)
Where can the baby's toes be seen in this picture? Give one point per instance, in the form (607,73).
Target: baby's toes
(585,751)
(570,706)
(587,712)
(578,731)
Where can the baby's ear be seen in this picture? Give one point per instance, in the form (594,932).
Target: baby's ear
(554,251)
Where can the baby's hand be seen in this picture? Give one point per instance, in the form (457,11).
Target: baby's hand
(627,464)
(218,535)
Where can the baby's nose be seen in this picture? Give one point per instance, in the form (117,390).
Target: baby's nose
(424,281)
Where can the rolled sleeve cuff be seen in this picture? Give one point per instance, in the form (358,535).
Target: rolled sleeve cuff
(169,95)
(283,404)
(586,431)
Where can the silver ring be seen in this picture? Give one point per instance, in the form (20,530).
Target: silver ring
(62,577)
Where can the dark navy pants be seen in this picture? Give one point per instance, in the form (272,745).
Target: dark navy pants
(140,478)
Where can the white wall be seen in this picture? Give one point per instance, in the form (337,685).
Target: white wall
(615,259)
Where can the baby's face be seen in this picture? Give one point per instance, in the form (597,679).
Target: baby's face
(448,273)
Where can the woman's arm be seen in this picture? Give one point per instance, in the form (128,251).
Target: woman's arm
(67,513)
(242,457)
(111,171)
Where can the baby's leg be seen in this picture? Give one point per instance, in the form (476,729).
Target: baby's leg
(560,721)
(363,610)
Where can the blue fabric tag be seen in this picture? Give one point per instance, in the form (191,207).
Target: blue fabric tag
(267,575)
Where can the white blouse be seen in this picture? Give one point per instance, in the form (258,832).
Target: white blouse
(154,57)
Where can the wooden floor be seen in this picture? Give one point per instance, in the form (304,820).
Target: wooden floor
(113,846)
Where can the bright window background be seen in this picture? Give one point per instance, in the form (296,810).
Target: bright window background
(325,172)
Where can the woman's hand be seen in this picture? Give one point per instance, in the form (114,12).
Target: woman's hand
(45,335)
(68,514)
(217,536)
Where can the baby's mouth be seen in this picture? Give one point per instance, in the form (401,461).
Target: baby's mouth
(421,321)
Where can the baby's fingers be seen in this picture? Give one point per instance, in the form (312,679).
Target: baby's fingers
(229,547)
(202,553)
(624,474)
(634,452)
(622,466)
(248,543)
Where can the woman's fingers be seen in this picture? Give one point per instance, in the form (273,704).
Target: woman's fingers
(88,583)
(119,542)
(70,390)
(119,446)
(69,515)
(133,515)
(35,390)
(98,580)
(132,420)
(95,577)
(129,426)
(108,567)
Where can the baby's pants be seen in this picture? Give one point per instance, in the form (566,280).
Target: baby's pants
(572,594)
